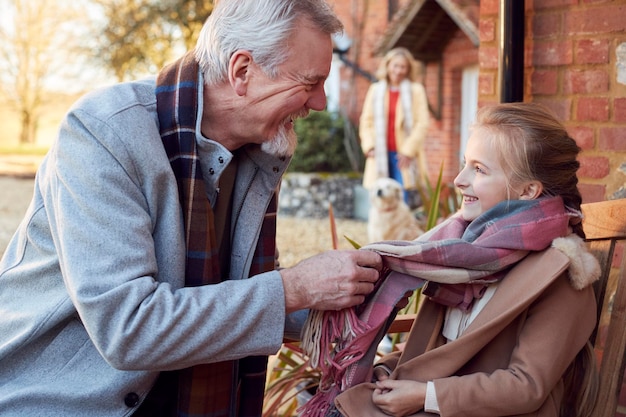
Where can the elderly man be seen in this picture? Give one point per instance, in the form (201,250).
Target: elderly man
(142,280)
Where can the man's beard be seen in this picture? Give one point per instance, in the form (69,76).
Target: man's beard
(282,144)
(285,141)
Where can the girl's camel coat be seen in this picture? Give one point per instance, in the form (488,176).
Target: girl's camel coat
(510,359)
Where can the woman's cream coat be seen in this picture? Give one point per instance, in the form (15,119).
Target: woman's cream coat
(511,358)
(410,145)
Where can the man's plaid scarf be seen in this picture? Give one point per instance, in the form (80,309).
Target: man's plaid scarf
(210,389)
(456,260)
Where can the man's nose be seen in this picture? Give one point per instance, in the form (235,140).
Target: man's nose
(317,101)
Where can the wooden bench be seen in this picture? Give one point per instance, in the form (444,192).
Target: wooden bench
(605,226)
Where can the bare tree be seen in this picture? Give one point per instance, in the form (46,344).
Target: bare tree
(188,16)
(141,36)
(34,37)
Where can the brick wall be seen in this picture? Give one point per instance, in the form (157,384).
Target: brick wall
(443,140)
(573,65)
(365,21)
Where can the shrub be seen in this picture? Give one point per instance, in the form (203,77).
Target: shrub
(323,144)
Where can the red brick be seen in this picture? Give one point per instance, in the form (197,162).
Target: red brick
(583,136)
(562,108)
(488,7)
(552,53)
(594,167)
(593,109)
(488,57)
(544,82)
(619,109)
(612,139)
(546,25)
(486,84)
(592,51)
(545,4)
(595,20)
(592,193)
(487,30)
(583,82)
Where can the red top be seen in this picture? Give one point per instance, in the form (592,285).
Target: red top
(391,119)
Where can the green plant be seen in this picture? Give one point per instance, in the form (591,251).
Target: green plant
(439,201)
(290,376)
(321,144)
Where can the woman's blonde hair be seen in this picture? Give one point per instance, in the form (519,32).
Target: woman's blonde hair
(415,67)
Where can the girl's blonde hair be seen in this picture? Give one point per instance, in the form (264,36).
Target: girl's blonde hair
(533,145)
(415,67)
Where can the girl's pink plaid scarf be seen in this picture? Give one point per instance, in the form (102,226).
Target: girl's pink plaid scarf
(454,262)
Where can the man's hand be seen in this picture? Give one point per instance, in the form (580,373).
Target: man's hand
(332,280)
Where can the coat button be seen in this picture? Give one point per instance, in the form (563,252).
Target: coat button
(211,171)
(221,160)
(275,169)
(131,399)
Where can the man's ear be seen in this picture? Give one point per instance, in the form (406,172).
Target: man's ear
(531,190)
(239,67)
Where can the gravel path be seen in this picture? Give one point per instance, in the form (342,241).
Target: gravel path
(297,238)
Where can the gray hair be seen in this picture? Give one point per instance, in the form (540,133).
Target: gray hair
(259,26)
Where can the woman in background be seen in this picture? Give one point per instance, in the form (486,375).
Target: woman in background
(394,122)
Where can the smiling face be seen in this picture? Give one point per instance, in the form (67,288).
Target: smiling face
(483,181)
(274,103)
(397,69)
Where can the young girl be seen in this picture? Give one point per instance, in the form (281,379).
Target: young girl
(511,314)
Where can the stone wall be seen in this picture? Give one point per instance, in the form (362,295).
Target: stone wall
(309,195)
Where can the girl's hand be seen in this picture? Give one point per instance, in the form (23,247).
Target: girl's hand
(380,373)
(399,397)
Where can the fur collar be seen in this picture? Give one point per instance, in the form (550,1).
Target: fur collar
(584,268)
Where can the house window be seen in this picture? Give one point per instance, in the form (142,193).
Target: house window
(332,85)
(469,105)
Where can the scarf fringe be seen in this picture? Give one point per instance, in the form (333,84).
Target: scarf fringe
(327,341)
(325,335)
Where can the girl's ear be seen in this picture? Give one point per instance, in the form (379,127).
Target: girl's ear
(531,190)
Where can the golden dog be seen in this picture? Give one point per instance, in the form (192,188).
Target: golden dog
(389,216)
